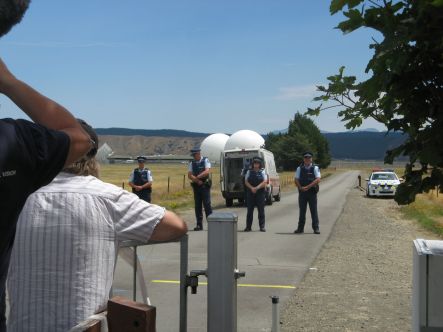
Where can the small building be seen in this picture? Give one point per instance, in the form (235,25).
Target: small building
(125,159)
(103,153)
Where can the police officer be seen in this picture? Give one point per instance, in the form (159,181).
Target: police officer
(307,178)
(140,180)
(198,173)
(255,180)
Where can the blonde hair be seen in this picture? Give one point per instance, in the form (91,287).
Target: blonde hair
(84,167)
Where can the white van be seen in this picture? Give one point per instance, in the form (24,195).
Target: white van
(232,163)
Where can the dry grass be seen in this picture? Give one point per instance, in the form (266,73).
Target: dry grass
(428,211)
(171,187)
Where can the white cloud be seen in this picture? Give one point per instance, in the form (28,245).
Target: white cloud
(296,92)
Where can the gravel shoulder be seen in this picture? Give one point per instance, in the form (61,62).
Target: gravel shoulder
(362,278)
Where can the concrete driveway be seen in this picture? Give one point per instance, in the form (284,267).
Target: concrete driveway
(274,261)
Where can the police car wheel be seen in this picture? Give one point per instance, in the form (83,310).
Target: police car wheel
(229,202)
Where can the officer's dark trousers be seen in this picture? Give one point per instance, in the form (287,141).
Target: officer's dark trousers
(256,200)
(305,198)
(144,195)
(202,197)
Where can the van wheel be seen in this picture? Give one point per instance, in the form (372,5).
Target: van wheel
(241,201)
(229,202)
(269,198)
(277,197)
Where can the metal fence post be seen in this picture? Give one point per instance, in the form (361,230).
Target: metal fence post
(134,275)
(222,272)
(183,286)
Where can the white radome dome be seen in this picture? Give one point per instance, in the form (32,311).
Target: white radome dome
(244,139)
(212,146)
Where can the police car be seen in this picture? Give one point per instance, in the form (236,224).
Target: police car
(382,183)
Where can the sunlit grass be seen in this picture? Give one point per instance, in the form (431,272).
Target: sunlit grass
(172,190)
(171,187)
(428,211)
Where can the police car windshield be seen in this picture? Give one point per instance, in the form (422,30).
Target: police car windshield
(384,176)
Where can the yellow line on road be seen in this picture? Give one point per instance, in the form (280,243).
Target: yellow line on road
(239,285)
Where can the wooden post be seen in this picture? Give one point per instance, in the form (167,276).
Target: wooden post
(168,184)
(129,316)
(91,324)
(184,181)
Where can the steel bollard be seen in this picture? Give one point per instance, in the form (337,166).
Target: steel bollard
(275,314)
(222,272)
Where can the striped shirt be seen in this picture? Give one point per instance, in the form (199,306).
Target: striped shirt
(65,250)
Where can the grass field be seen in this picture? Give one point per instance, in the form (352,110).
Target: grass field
(171,187)
(428,211)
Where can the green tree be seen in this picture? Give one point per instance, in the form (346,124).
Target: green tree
(405,87)
(303,135)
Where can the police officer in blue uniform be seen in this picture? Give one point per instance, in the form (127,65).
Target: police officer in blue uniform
(198,173)
(140,180)
(255,181)
(307,178)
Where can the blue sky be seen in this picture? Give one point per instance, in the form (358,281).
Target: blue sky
(197,65)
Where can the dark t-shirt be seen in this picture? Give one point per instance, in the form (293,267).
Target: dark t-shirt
(30,157)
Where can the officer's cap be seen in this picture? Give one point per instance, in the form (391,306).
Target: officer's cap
(307,154)
(194,151)
(257,160)
(141,159)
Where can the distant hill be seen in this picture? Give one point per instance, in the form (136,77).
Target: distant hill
(362,145)
(150,145)
(359,145)
(148,132)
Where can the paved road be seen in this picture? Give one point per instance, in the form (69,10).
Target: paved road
(275,258)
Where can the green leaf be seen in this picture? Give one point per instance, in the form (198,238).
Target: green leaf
(313,111)
(354,22)
(336,5)
(437,3)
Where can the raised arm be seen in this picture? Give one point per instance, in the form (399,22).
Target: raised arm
(46,112)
